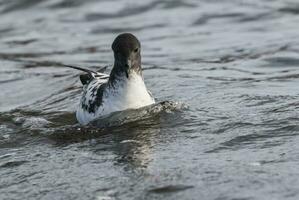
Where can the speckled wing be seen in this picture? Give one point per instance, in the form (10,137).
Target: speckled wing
(93,89)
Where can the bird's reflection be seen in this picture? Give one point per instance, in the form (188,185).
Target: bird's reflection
(133,145)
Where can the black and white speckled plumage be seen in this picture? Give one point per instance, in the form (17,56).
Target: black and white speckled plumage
(123,89)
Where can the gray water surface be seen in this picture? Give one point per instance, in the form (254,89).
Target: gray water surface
(233,63)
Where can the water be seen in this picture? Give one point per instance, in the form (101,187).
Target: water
(234,64)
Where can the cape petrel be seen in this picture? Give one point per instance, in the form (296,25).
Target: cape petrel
(123,89)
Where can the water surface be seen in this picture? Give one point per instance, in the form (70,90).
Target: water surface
(233,63)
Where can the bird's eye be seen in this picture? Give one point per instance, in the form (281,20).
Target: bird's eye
(136,50)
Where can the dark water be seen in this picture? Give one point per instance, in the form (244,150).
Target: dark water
(235,64)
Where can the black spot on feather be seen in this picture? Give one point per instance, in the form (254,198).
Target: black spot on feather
(92,105)
(85,78)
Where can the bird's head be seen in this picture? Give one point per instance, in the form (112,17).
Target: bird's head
(126,48)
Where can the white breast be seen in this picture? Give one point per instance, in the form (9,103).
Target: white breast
(125,94)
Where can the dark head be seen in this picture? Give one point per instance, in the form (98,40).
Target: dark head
(126,48)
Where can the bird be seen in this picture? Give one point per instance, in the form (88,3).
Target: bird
(123,89)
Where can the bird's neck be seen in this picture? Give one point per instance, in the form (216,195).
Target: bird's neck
(118,74)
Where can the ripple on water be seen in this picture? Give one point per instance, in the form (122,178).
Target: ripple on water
(11,164)
(170,188)
(234,63)
(134,115)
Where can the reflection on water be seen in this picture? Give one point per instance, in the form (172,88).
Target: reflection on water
(234,63)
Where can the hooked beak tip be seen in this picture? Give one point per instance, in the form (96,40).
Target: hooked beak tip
(128,63)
